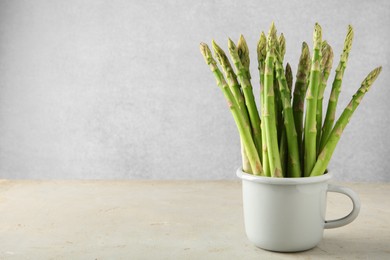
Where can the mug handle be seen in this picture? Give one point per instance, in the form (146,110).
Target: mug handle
(355,209)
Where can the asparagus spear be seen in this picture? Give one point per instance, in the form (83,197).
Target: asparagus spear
(280,50)
(283,151)
(326,66)
(248,94)
(334,137)
(243,128)
(310,133)
(289,79)
(269,100)
(336,88)
(289,124)
(261,55)
(299,94)
(235,88)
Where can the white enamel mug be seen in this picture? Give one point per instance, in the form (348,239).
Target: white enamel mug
(288,214)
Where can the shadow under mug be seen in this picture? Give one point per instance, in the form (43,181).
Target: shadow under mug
(288,214)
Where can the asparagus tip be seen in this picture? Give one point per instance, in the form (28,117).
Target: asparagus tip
(324,44)
(206,53)
(327,57)
(348,39)
(272,30)
(216,47)
(203,48)
(241,39)
(317,35)
(231,44)
(261,47)
(369,80)
(272,39)
(219,53)
(305,46)
(242,46)
(289,77)
(305,56)
(243,51)
(282,46)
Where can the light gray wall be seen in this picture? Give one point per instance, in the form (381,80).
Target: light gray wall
(118,89)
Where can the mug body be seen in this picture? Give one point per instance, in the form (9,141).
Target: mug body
(284,214)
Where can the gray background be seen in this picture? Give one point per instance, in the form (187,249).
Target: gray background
(118,89)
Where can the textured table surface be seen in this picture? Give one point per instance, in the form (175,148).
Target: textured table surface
(166,220)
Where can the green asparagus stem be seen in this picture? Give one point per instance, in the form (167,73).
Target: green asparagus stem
(235,88)
(326,66)
(334,137)
(289,79)
(286,164)
(269,113)
(299,95)
(289,124)
(261,55)
(278,109)
(283,151)
(280,49)
(243,128)
(248,94)
(310,134)
(336,89)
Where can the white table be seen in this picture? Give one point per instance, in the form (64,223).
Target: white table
(166,220)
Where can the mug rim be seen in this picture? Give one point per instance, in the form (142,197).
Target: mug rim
(282,181)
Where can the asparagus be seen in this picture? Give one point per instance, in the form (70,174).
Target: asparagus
(299,94)
(336,88)
(334,137)
(289,79)
(279,142)
(310,133)
(243,128)
(280,50)
(289,124)
(261,55)
(235,88)
(269,100)
(326,66)
(248,94)
(286,164)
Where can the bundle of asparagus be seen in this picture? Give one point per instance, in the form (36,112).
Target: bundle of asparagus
(287,140)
